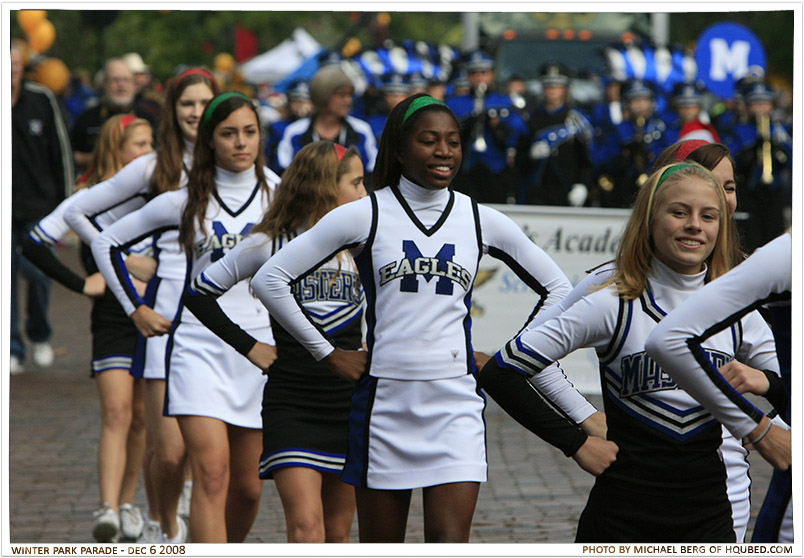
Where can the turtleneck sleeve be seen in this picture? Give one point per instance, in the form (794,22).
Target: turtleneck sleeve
(345,227)
(676,342)
(112,196)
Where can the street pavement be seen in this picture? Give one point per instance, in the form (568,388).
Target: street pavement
(534,494)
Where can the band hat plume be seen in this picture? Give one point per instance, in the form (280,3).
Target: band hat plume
(419,103)
(213,104)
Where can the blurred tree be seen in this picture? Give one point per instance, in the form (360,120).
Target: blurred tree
(167,38)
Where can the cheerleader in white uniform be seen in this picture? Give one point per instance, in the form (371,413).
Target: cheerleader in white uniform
(305,407)
(553,384)
(417,414)
(668,463)
(213,390)
(678,345)
(187,95)
(123,138)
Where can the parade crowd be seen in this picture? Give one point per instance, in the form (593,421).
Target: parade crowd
(281,290)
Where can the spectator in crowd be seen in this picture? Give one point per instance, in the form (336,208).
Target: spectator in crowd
(763,153)
(41,177)
(394,90)
(78,94)
(298,105)
(556,153)
(331,93)
(119,96)
(143,84)
(490,132)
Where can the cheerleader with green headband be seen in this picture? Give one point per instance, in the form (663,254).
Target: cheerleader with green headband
(212,390)
(667,480)
(416,417)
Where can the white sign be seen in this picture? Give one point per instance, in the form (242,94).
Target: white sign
(578,239)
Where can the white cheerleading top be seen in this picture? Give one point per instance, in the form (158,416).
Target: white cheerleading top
(417,252)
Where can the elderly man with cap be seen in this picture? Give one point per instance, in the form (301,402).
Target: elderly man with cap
(331,93)
(119,97)
(629,153)
(490,132)
(556,153)
(763,153)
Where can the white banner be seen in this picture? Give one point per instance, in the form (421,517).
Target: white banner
(578,239)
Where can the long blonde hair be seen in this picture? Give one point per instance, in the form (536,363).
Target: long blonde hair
(309,188)
(636,251)
(106,155)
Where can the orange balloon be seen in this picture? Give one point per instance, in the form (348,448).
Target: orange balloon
(54,74)
(42,37)
(29,19)
(224,62)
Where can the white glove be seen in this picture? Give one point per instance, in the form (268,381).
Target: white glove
(577,196)
(540,150)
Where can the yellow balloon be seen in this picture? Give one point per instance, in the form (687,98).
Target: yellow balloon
(43,36)
(54,74)
(29,19)
(224,62)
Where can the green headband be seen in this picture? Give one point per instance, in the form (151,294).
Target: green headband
(672,170)
(213,104)
(418,103)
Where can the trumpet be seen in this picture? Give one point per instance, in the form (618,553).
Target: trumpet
(479,143)
(767,163)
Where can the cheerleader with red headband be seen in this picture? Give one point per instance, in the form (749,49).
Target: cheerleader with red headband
(187,95)
(123,138)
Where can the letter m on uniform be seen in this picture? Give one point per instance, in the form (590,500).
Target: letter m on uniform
(410,283)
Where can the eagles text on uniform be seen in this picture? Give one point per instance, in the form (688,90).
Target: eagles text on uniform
(414,264)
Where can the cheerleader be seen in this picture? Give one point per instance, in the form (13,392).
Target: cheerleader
(668,464)
(305,407)
(553,384)
(416,418)
(212,390)
(187,95)
(679,342)
(122,139)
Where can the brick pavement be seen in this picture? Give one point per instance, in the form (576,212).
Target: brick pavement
(534,493)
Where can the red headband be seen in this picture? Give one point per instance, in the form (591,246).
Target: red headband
(339,150)
(126,120)
(192,71)
(688,147)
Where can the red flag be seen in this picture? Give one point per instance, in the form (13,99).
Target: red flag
(245,44)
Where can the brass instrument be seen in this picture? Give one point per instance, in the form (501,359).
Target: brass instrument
(763,124)
(478,111)
(640,160)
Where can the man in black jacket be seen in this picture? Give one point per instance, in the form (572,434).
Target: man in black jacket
(41,176)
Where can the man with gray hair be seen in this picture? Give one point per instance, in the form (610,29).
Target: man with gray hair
(118,97)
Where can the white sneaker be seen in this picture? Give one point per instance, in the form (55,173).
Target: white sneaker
(107,525)
(181,533)
(184,499)
(15,366)
(151,531)
(42,354)
(131,522)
